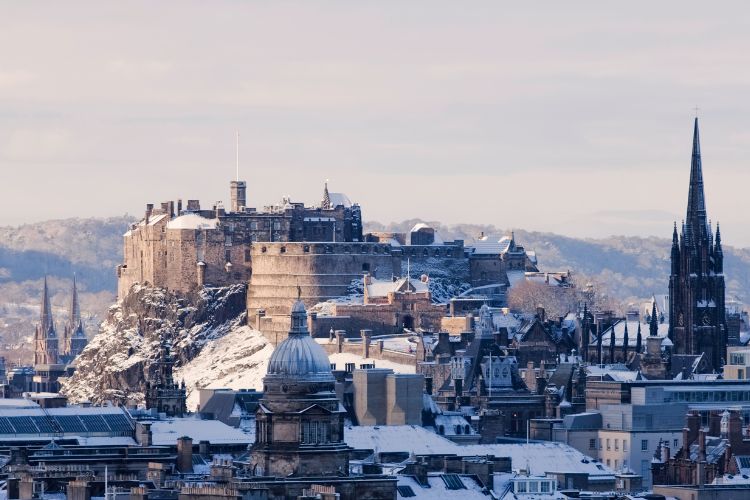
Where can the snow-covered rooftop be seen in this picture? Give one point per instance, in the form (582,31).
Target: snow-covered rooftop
(381,288)
(192,221)
(541,457)
(437,489)
(166,432)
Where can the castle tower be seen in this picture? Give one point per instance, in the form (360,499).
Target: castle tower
(299,422)
(162,392)
(696,283)
(237,194)
(45,337)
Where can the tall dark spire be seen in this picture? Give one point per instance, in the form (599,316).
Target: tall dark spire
(696,219)
(625,343)
(45,319)
(638,339)
(75,308)
(653,327)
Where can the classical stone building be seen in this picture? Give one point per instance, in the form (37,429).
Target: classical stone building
(300,422)
(388,307)
(696,283)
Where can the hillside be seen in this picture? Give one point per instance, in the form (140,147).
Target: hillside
(90,248)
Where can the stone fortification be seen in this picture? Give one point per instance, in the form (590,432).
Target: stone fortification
(322,271)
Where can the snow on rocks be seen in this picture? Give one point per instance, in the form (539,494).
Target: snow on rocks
(117,363)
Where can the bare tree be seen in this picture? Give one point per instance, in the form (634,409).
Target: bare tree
(527,296)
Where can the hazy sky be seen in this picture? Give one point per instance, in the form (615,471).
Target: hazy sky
(570,117)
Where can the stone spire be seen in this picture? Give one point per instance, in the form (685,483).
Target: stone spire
(326,203)
(45,319)
(75,309)
(653,327)
(638,339)
(697,223)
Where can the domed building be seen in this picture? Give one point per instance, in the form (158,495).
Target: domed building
(300,421)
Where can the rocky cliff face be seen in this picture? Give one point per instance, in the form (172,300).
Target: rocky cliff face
(115,366)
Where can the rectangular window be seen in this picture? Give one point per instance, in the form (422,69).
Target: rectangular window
(616,464)
(228,255)
(624,445)
(644,445)
(608,445)
(609,463)
(592,444)
(617,444)
(675,446)
(544,487)
(313,432)
(533,486)
(521,487)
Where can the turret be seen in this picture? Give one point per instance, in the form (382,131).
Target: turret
(653,326)
(718,252)
(237,195)
(675,252)
(638,339)
(326,203)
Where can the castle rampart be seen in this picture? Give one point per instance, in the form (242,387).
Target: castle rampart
(322,271)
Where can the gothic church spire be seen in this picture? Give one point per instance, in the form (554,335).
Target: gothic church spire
(696,219)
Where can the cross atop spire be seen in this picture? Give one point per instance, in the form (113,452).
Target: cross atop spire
(696,210)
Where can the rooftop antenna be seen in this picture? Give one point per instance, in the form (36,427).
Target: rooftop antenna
(696,109)
(237,155)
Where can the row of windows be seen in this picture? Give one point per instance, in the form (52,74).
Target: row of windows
(314,432)
(710,396)
(533,486)
(329,249)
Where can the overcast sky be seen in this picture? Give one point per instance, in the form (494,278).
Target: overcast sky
(574,118)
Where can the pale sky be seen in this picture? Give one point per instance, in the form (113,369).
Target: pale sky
(574,117)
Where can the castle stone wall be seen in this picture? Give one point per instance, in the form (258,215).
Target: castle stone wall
(322,271)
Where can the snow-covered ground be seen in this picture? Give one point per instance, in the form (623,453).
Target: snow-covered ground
(238,360)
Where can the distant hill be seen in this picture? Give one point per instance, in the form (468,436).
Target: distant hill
(90,248)
(629,268)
